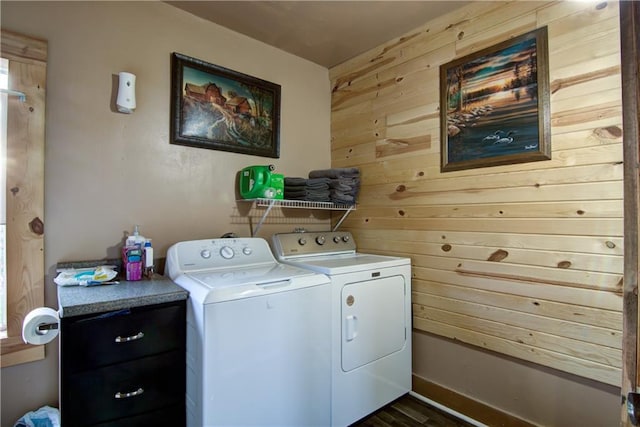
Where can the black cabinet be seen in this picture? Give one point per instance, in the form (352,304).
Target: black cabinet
(124,368)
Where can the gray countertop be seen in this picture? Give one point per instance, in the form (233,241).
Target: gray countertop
(80,300)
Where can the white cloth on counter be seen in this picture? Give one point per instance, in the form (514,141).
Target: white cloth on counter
(85,276)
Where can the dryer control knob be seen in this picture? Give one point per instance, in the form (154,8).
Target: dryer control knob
(226,252)
(302,241)
(205,253)
(345,238)
(247,250)
(320,240)
(336,239)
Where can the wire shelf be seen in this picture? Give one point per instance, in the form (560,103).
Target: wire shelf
(303,204)
(298,204)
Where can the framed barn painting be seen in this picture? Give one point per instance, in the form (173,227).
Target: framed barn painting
(221,109)
(494,105)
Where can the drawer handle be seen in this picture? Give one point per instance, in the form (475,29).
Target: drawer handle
(137,336)
(138,392)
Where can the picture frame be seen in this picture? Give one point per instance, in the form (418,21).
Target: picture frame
(220,109)
(495,106)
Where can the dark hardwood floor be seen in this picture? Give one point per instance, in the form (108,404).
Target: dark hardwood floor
(408,411)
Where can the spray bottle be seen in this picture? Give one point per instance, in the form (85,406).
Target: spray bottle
(148,259)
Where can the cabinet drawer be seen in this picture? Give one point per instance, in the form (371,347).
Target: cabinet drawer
(173,416)
(94,341)
(123,390)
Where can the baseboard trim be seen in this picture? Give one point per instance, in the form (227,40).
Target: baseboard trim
(464,405)
(458,415)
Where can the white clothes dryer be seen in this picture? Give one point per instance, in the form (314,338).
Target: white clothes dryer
(258,335)
(371,319)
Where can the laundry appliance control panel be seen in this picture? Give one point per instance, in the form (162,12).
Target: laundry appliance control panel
(313,243)
(198,255)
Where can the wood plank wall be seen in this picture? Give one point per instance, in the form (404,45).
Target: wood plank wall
(526,259)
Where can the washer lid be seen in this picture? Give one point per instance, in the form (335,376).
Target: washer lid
(268,273)
(245,282)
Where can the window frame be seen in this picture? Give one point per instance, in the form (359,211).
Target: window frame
(25,191)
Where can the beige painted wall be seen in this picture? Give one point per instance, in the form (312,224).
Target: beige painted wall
(105,172)
(522,263)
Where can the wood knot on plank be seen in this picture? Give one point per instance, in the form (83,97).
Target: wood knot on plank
(564,264)
(601,5)
(609,132)
(15,190)
(400,188)
(460,35)
(446,247)
(610,244)
(401,212)
(498,255)
(37,226)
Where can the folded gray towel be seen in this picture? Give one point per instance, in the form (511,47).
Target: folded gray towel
(318,181)
(321,187)
(338,186)
(343,199)
(295,187)
(344,190)
(293,180)
(289,194)
(321,193)
(334,173)
(318,198)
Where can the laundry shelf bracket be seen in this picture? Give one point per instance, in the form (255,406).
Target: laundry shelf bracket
(298,204)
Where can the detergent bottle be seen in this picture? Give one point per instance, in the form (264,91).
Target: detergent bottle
(259,182)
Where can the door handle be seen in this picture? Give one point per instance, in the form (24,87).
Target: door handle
(351,327)
(137,336)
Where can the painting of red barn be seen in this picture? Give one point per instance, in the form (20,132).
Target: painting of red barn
(494,105)
(221,109)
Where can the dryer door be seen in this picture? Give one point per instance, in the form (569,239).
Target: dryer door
(373,320)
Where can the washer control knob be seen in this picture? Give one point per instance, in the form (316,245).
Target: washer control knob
(227,252)
(302,241)
(205,253)
(336,239)
(345,238)
(247,250)
(320,240)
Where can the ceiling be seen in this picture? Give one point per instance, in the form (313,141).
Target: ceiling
(325,32)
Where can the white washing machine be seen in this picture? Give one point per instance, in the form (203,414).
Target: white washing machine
(371,319)
(258,335)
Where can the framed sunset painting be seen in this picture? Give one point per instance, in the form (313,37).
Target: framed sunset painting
(494,105)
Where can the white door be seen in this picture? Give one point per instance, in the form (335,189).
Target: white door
(373,320)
